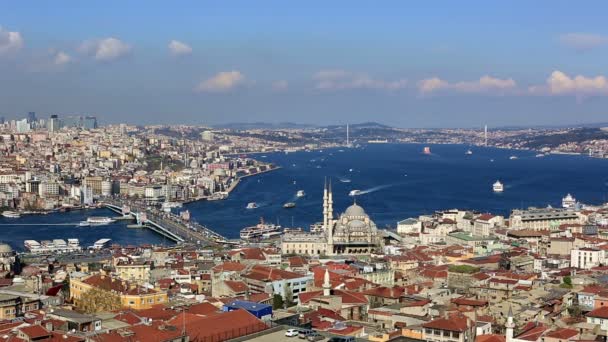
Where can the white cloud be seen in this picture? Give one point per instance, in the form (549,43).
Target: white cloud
(486,84)
(583,41)
(560,83)
(177,48)
(222,82)
(10,42)
(342,79)
(106,49)
(280,85)
(61,58)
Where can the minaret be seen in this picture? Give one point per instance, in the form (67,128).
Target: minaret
(330,206)
(325,225)
(510,325)
(347,136)
(485,134)
(326,284)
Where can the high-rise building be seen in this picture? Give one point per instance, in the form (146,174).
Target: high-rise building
(89,122)
(23,126)
(31,117)
(207,136)
(54,124)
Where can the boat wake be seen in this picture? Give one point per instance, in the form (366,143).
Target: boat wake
(374,189)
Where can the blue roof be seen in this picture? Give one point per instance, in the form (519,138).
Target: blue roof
(249,306)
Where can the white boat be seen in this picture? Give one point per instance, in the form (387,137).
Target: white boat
(513,157)
(300,193)
(568,202)
(251,205)
(344,180)
(289,205)
(99,220)
(540,155)
(11,214)
(84,224)
(468,152)
(498,187)
(259,231)
(167,206)
(354,193)
(426,150)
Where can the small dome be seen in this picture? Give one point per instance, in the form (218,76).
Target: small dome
(5,248)
(354,210)
(357,225)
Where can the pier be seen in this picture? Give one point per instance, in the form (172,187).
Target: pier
(169,225)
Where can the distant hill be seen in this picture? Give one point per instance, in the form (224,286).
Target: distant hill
(263,125)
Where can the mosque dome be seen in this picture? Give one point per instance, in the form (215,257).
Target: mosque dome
(354,211)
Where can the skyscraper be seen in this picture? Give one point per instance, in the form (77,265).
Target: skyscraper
(54,124)
(31,117)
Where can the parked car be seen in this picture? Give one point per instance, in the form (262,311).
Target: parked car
(315,336)
(342,339)
(292,332)
(304,333)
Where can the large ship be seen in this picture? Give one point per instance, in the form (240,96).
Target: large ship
(498,187)
(259,231)
(568,202)
(99,220)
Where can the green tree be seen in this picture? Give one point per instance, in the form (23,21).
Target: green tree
(277,302)
(567,282)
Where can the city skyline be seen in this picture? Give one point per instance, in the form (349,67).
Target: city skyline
(406,65)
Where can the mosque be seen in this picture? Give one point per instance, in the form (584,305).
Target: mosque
(352,233)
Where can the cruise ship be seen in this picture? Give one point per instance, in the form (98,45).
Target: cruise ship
(258,231)
(300,193)
(568,202)
(498,187)
(11,214)
(99,220)
(167,206)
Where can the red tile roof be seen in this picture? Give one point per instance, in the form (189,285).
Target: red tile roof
(601,312)
(453,323)
(532,331)
(563,333)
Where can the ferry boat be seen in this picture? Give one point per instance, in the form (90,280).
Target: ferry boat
(289,205)
(251,205)
(568,202)
(377,141)
(468,152)
(167,206)
(426,150)
(300,193)
(11,214)
(498,187)
(99,220)
(354,193)
(258,231)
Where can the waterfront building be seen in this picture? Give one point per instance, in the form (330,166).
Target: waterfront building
(542,218)
(353,232)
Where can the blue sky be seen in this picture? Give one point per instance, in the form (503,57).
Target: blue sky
(405,63)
